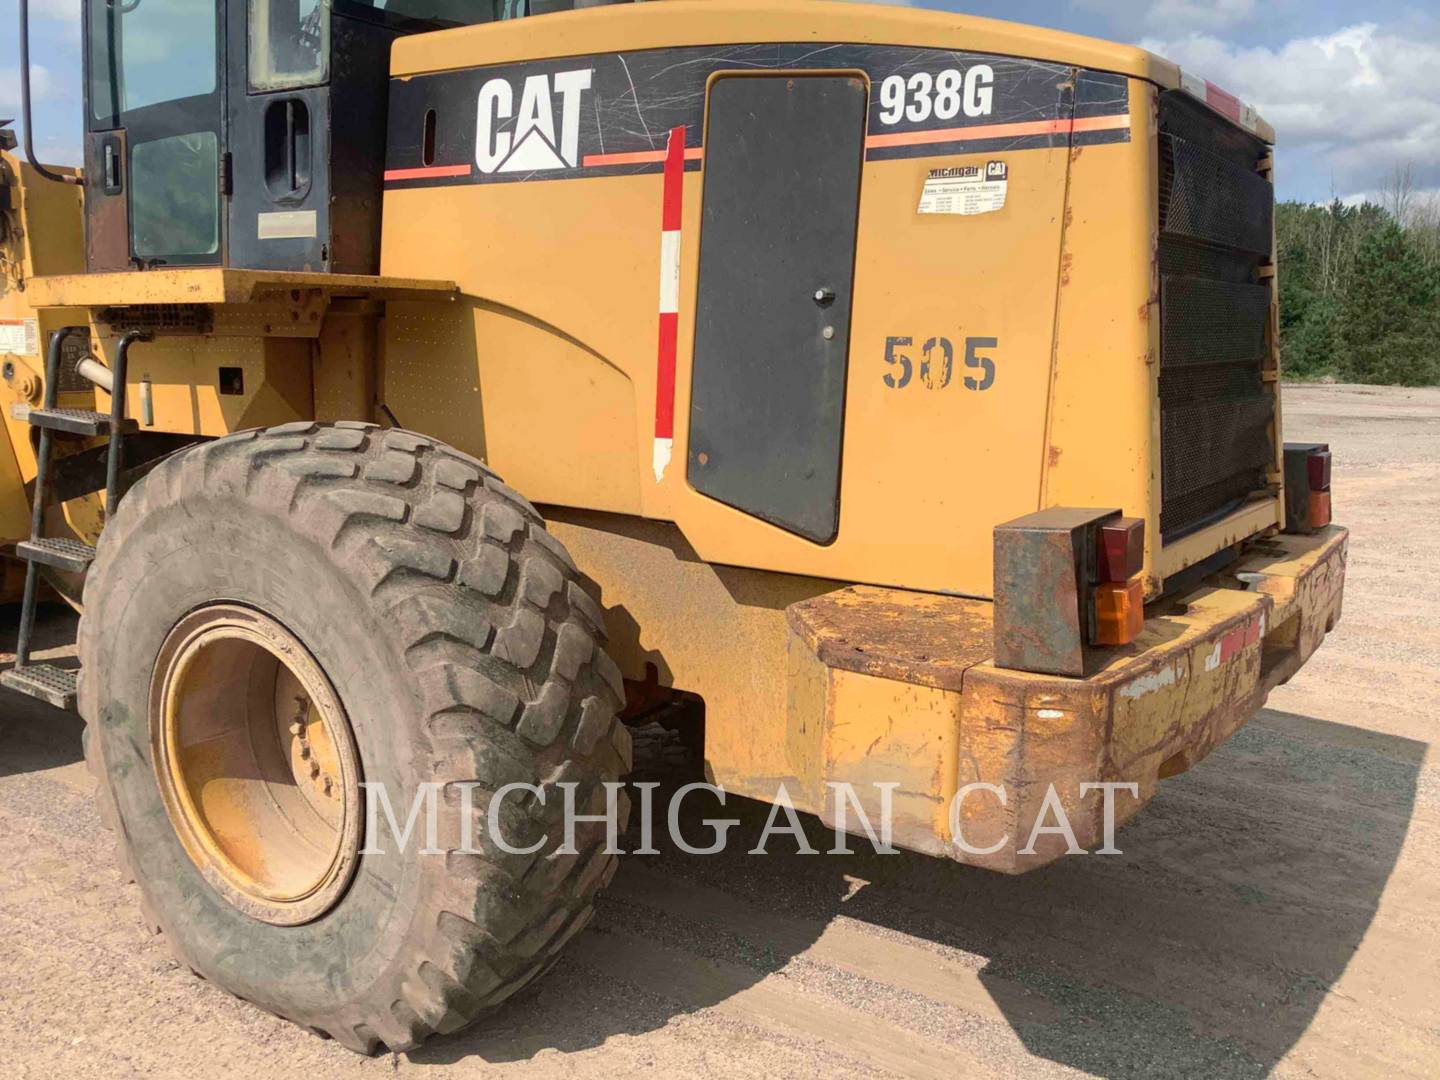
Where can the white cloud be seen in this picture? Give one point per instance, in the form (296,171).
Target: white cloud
(42,86)
(62,10)
(1197,14)
(54,150)
(1171,16)
(1360,99)
(1381,197)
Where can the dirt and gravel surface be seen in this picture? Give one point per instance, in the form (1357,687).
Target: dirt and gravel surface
(1277,909)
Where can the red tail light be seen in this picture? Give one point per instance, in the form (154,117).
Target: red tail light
(1120,553)
(1307,487)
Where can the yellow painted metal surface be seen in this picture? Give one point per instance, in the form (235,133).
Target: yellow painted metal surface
(346,361)
(719,631)
(552,378)
(215,285)
(808,683)
(719,22)
(1154,710)
(256,764)
(551,413)
(1102,440)
(180,377)
(536,349)
(1256,516)
(41,233)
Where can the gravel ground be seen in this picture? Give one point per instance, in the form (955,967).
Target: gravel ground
(1275,910)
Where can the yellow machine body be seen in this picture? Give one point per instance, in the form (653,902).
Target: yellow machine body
(518,321)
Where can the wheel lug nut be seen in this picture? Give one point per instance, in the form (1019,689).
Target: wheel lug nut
(296,727)
(314,769)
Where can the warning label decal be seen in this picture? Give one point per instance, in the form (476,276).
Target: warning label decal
(965,189)
(19,336)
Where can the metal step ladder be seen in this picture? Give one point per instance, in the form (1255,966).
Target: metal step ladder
(46,681)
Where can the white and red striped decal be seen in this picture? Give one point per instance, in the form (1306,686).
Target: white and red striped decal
(1222,101)
(674,188)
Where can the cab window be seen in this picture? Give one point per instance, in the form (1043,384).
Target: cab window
(144,52)
(289,43)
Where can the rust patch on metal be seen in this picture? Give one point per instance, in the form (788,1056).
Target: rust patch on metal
(1156,709)
(896,634)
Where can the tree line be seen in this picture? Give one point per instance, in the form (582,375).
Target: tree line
(1360,287)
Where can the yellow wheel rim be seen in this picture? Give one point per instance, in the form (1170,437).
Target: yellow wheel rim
(256,764)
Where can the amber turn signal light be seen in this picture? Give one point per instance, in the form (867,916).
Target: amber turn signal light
(1119,611)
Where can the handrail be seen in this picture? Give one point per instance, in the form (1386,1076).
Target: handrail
(117,416)
(25,115)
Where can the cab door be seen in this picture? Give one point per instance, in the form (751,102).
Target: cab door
(154,133)
(279,113)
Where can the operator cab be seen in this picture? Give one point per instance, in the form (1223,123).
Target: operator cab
(246,133)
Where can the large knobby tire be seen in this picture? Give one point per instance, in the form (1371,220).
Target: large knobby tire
(462,648)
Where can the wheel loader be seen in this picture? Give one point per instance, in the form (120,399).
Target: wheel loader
(898,387)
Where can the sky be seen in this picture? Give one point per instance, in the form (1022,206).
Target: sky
(1353,90)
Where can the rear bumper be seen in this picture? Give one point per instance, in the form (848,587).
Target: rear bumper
(905,696)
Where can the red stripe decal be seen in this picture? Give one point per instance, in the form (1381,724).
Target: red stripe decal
(998,131)
(1101,123)
(674,179)
(1237,640)
(674,190)
(665,377)
(1252,632)
(1221,102)
(1216,98)
(427,171)
(967,134)
(640,157)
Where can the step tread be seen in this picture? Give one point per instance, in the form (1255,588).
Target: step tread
(77,421)
(61,552)
(44,681)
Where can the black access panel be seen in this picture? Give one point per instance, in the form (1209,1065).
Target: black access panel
(772,324)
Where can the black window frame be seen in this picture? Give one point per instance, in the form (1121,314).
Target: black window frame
(180,116)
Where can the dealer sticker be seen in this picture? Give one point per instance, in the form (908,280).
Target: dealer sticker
(19,336)
(965,189)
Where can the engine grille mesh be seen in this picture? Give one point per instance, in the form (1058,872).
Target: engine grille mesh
(1211,322)
(1216,410)
(1208,198)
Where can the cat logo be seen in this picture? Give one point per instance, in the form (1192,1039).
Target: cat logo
(532,145)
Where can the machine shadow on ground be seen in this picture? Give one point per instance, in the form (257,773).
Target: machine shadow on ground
(1205,949)
(34,736)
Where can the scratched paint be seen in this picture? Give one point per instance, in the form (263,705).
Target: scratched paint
(607,114)
(1158,679)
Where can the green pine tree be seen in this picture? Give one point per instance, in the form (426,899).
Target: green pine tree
(1388,316)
